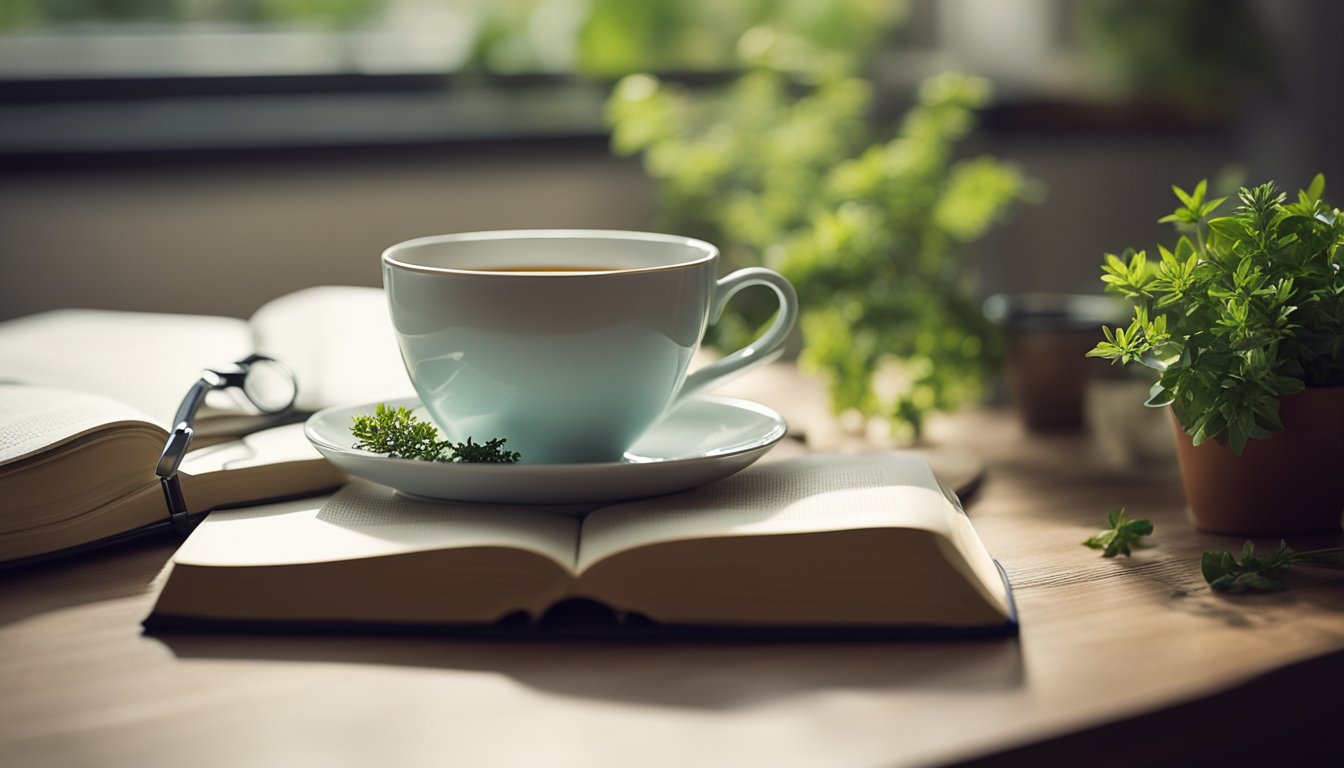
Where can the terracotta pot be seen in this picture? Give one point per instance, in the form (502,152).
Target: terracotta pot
(1289,483)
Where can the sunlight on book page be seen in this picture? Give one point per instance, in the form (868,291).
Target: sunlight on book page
(816,493)
(364,520)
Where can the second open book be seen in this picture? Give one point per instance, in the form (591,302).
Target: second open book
(87,399)
(821,541)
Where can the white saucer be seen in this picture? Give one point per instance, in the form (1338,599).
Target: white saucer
(704,439)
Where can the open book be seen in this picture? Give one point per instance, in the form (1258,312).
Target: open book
(826,542)
(86,397)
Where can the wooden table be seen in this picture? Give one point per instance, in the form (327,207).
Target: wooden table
(1120,662)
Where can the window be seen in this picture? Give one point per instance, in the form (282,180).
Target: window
(152,75)
(155,38)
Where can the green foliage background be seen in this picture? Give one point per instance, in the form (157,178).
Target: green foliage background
(869,229)
(1199,54)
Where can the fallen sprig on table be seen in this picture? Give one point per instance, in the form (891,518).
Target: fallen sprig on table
(1222,570)
(1123,535)
(1261,573)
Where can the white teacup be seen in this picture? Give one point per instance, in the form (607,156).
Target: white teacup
(567,343)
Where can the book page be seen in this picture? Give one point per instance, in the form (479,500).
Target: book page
(268,464)
(145,360)
(64,454)
(36,418)
(339,342)
(276,445)
(798,541)
(821,492)
(366,520)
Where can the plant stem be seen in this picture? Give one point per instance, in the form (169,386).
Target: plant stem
(1327,556)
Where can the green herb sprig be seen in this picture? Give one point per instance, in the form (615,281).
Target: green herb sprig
(1123,535)
(1261,573)
(397,433)
(1221,569)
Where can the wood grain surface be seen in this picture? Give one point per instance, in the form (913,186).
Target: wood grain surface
(1120,662)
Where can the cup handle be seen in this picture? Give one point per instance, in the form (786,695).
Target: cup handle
(764,349)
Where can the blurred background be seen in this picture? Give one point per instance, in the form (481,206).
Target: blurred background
(206,156)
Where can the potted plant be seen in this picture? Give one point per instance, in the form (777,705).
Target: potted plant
(1244,320)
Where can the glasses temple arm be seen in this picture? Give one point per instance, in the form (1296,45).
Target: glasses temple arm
(179,439)
(186,412)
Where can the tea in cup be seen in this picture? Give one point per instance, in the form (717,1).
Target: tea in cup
(569,344)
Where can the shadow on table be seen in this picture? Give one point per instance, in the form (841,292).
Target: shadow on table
(1227,728)
(706,675)
(124,570)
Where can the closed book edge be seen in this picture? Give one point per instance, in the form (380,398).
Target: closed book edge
(586,620)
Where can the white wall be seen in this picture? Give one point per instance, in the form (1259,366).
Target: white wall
(223,239)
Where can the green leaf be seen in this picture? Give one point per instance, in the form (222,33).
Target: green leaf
(1123,535)
(491,452)
(1217,566)
(1258,582)
(1230,227)
(1184,196)
(1158,396)
(1314,190)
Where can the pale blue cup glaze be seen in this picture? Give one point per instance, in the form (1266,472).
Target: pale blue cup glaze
(569,367)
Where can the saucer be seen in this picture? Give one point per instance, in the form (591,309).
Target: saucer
(702,440)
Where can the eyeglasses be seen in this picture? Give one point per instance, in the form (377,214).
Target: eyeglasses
(265,383)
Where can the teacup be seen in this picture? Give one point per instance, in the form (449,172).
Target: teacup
(569,344)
